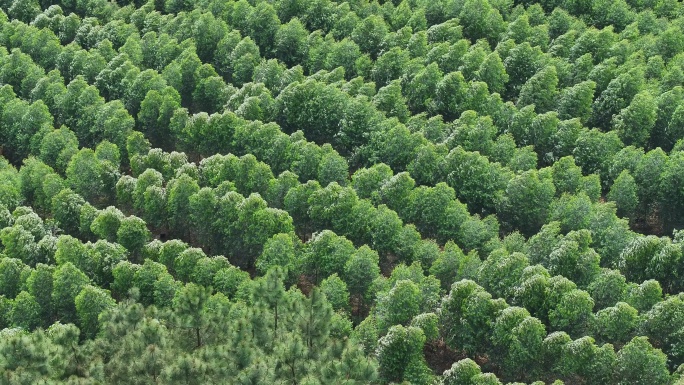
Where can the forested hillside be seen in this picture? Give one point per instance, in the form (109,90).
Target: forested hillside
(310,192)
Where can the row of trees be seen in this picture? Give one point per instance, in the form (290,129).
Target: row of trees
(410,157)
(411,292)
(276,335)
(459,122)
(108,224)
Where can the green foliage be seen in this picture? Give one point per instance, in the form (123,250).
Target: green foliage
(66,208)
(575,101)
(400,354)
(526,155)
(399,305)
(336,292)
(84,175)
(133,234)
(634,123)
(624,193)
(68,281)
(526,201)
(638,361)
(540,90)
(500,271)
(90,302)
(470,306)
(461,372)
(361,270)
(107,223)
(25,311)
(327,253)
(616,323)
(281,250)
(573,313)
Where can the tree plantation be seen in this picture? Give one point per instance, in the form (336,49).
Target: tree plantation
(314,192)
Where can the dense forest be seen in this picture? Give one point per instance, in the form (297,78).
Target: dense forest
(310,192)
